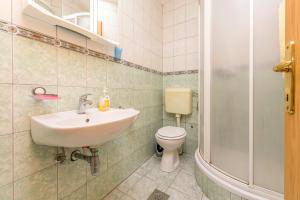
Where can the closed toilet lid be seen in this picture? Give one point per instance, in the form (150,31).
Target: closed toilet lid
(171,132)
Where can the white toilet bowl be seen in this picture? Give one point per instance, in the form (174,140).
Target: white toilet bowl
(170,138)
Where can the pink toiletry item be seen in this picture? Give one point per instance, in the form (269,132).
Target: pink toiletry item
(40,94)
(43,97)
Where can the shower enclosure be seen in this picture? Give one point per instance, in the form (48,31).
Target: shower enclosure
(241,99)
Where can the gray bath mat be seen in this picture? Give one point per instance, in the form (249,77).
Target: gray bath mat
(158,195)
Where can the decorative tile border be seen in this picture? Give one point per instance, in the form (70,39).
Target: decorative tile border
(3,26)
(195,71)
(30,34)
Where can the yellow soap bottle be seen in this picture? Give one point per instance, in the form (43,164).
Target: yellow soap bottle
(106,99)
(104,102)
(101,105)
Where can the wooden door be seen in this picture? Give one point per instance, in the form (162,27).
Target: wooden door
(292,122)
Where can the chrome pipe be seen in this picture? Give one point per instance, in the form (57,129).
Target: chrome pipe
(92,159)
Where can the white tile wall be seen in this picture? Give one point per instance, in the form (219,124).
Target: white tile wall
(180,35)
(140,30)
(5,14)
(162,37)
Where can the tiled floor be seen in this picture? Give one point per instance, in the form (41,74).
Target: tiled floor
(180,184)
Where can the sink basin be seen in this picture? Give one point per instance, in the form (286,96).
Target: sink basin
(69,129)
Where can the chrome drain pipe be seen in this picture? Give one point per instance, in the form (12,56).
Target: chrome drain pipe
(92,159)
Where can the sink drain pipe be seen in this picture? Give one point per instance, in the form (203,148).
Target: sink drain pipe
(92,159)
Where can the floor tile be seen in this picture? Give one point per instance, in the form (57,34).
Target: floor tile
(179,184)
(162,179)
(114,195)
(126,185)
(153,162)
(142,189)
(186,183)
(176,195)
(158,195)
(188,164)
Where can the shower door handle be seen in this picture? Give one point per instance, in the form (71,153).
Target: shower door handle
(288,68)
(285,66)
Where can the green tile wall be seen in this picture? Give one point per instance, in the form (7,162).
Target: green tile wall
(211,189)
(29,171)
(189,122)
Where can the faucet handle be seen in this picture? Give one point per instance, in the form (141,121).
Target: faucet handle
(84,96)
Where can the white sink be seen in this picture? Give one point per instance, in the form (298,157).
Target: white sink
(69,129)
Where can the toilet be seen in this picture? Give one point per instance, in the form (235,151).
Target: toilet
(179,102)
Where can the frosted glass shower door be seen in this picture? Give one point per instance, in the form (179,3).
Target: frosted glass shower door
(243,108)
(230,24)
(201,81)
(268,97)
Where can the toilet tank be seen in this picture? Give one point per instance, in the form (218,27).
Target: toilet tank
(178,100)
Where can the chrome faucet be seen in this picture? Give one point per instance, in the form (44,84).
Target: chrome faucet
(83,101)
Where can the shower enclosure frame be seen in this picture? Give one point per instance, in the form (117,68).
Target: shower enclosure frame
(247,190)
